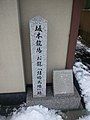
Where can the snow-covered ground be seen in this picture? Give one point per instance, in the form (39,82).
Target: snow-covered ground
(33,113)
(82,74)
(85,118)
(83,77)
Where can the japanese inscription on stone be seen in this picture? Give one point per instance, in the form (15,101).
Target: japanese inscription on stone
(38,37)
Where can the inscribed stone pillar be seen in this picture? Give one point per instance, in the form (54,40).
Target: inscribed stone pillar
(38,37)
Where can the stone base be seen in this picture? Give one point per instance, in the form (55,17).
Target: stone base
(63,102)
(12,98)
(63,82)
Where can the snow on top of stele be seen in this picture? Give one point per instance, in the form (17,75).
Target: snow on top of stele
(37,112)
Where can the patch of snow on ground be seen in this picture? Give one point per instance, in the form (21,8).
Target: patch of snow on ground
(82,72)
(85,118)
(88,50)
(2,117)
(80,45)
(83,77)
(35,113)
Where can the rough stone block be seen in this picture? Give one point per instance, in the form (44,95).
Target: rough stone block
(63,82)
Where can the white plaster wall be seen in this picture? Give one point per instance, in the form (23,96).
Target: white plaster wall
(58,15)
(11,66)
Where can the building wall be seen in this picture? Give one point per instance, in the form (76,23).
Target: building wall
(58,15)
(11,66)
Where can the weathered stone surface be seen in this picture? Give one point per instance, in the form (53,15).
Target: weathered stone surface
(76,114)
(62,102)
(63,82)
(38,37)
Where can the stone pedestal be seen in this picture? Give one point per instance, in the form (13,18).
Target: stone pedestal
(62,102)
(63,82)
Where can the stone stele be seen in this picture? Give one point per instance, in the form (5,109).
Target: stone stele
(38,40)
(63,82)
